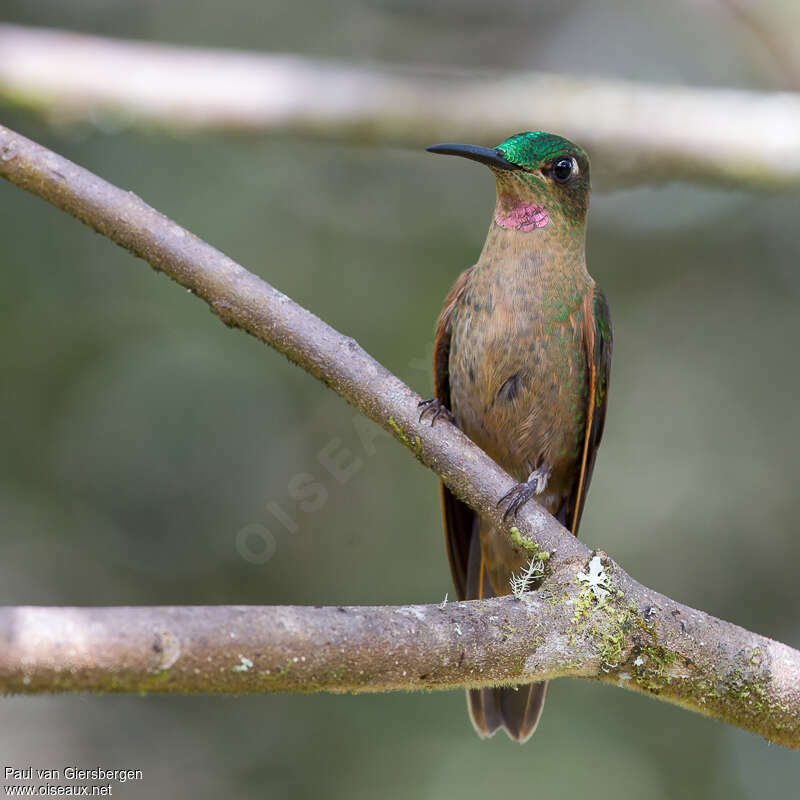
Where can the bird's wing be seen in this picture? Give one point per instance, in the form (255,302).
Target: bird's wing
(459,519)
(599,340)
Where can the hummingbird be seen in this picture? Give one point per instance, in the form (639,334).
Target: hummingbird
(521,365)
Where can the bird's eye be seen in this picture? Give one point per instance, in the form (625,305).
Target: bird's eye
(563,169)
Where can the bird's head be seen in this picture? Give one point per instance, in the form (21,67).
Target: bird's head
(541,178)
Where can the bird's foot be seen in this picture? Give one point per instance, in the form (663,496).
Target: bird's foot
(435,408)
(522,492)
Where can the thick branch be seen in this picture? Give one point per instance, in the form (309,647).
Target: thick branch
(671,651)
(634,637)
(663,132)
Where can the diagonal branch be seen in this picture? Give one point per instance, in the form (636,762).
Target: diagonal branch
(664,132)
(619,632)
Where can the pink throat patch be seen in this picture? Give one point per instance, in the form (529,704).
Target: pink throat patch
(515,215)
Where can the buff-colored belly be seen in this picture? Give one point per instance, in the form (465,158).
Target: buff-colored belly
(519,386)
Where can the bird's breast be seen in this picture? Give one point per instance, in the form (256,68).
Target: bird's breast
(518,372)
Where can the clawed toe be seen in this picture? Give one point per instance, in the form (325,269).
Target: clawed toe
(517,498)
(436,408)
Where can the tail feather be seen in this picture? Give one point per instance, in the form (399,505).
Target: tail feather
(515,708)
(484,711)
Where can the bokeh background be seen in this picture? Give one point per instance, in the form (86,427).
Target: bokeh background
(140,436)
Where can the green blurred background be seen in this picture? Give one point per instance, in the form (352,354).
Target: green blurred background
(140,435)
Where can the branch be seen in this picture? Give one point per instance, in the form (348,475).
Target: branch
(607,627)
(637,133)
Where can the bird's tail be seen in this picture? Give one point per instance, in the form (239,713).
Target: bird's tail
(515,708)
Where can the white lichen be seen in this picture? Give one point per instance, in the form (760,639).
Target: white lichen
(244,664)
(597,580)
(523,582)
